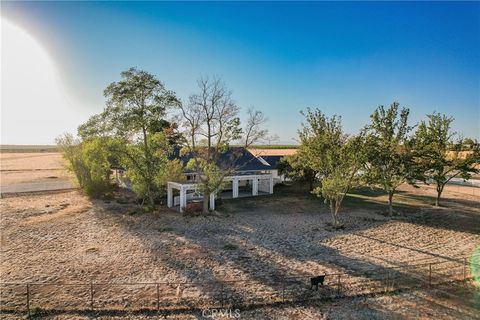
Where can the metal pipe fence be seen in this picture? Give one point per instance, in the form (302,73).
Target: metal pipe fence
(164,296)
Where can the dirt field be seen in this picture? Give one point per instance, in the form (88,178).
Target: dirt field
(21,170)
(67,238)
(31,167)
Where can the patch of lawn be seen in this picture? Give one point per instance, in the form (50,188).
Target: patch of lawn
(230,246)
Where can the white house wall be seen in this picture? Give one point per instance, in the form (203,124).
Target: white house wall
(260,182)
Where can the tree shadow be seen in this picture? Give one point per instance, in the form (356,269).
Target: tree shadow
(258,263)
(456,202)
(461,216)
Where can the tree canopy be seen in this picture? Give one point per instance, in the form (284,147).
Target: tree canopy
(143,122)
(134,119)
(335,157)
(436,161)
(388,146)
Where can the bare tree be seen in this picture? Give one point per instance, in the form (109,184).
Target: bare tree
(272,138)
(191,120)
(210,125)
(254,131)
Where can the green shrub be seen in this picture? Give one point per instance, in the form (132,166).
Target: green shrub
(89,163)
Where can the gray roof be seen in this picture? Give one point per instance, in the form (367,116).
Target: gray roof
(238,158)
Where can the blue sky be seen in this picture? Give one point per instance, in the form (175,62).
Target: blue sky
(345,58)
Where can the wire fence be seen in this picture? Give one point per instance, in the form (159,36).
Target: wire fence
(169,296)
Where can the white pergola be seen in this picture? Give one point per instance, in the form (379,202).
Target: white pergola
(184,187)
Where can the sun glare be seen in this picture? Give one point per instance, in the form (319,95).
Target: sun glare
(32,97)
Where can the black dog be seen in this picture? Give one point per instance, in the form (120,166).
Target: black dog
(315,281)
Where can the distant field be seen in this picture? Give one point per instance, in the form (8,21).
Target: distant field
(275,146)
(5,148)
(31,170)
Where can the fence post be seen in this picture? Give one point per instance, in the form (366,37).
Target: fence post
(28,300)
(392,283)
(158,298)
(338,284)
(429,274)
(91,295)
(387,283)
(464,269)
(221,296)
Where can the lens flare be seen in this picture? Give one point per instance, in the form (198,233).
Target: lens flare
(475,266)
(36,105)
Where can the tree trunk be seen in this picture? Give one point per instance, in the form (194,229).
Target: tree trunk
(439,194)
(390,203)
(206,202)
(333,212)
(148,183)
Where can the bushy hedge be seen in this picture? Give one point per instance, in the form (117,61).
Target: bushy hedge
(88,160)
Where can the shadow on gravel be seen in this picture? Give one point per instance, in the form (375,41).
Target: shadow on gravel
(254,275)
(241,257)
(458,215)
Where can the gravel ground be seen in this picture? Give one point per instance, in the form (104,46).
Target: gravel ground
(67,238)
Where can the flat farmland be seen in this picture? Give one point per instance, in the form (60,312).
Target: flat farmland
(18,171)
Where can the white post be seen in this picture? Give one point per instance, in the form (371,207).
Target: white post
(235,188)
(185,198)
(212,201)
(182,199)
(169,196)
(271,184)
(255,186)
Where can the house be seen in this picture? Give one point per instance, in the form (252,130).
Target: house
(272,157)
(252,172)
(249,176)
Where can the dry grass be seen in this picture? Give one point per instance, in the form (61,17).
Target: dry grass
(31,167)
(31,161)
(64,237)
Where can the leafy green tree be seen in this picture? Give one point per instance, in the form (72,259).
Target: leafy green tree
(173,171)
(148,177)
(326,149)
(295,169)
(438,164)
(315,136)
(89,161)
(388,146)
(468,142)
(344,175)
(134,119)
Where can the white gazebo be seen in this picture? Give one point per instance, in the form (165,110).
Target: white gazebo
(260,182)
